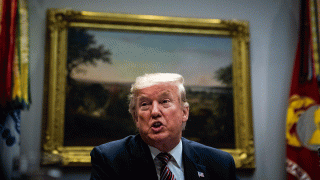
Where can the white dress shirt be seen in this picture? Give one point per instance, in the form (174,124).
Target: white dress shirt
(175,164)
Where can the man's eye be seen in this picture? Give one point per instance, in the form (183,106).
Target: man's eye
(144,105)
(165,101)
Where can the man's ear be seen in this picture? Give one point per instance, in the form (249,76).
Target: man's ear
(185,111)
(135,117)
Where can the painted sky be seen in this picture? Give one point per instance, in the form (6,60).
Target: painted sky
(134,54)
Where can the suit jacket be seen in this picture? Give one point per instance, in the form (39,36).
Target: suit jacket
(130,158)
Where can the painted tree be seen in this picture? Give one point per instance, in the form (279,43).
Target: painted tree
(82,49)
(224,75)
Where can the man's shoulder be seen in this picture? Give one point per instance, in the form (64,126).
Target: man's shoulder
(215,160)
(116,143)
(113,148)
(204,150)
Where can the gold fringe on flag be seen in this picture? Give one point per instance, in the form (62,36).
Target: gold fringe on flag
(314,34)
(21,82)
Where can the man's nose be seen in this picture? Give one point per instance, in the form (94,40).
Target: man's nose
(155,111)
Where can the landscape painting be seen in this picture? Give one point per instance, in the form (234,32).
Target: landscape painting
(102,65)
(92,59)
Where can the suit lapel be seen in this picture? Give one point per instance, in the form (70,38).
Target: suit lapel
(192,169)
(142,162)
(144,168)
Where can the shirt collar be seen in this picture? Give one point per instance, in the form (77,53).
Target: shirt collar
(176,153)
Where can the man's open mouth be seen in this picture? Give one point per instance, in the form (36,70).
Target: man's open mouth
(156,124)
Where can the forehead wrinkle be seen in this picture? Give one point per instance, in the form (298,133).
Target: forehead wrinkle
(166,93)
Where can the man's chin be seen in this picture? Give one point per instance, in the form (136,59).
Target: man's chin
(156,138)
(161,136)
(163,142)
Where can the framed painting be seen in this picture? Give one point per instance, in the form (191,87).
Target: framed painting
(93,58)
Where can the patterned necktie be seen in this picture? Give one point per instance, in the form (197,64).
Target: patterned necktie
(165,173)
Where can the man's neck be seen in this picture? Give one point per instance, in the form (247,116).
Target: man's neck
(174,152)
(165,146)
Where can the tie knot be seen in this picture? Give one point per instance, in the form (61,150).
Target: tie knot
(164,157)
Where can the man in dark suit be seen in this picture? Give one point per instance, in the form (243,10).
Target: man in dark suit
(160,110)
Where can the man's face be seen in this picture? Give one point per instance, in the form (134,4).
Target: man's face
(160,115)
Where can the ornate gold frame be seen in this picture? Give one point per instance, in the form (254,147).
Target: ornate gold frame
(59,20)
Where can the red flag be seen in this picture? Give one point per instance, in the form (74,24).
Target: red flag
(303,115)
(7,45)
